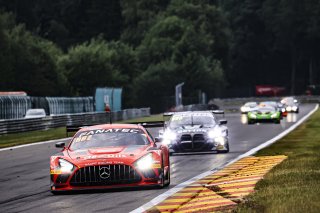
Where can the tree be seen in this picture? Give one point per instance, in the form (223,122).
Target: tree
(178,49)
(139,16)
(30,62)
(90,65)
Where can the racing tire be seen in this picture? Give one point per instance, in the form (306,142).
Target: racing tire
(168,175)
(277,121)
(225,151)
(57,192)
(163,183)
(250,122)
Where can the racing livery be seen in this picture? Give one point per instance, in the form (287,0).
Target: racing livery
(195,131)
(277,105)
(264,114)
(110,156)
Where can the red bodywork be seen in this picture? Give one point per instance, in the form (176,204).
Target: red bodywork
(110,167)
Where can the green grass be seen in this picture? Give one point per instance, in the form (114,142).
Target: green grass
(31,137)
(293,185)
(51,134)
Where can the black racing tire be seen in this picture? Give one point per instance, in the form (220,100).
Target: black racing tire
(57,192)
(250,122)
(168,175)
(162,183)
(225,151)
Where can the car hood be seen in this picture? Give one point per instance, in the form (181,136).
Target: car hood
(129,153)
(192,129)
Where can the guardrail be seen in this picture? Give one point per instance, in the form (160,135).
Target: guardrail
(14,107)
(48,122)
(233,104)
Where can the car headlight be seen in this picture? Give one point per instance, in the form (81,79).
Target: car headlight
(252,115)
(274,115)
(65,166)
(244,109)
(213,133)
(168,136)
(145,162)
(294,108)
(288,108)
(220,140)
(283,110)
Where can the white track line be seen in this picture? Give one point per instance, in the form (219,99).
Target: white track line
(177,188)
(32,144)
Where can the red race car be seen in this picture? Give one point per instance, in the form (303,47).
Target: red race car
(110,156)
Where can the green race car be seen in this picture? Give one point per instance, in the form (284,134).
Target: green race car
(264,114)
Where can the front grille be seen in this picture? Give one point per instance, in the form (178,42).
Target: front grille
(198,141)
(198,138)
(186,138)
(104,175)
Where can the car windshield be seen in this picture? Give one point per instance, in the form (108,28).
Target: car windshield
(108,138)
(271,103)
(251,104)
(191,120)
(289,101)
(266,109)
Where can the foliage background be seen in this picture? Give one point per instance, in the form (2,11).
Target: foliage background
(222,48)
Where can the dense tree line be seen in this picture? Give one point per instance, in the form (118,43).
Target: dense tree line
(223,48)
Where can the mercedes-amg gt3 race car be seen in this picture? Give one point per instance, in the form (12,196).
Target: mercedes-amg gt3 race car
(264,114)
(195,131)
(110,156)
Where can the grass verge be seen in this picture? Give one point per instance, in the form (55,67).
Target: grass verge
(51,134)
(31,137)
(293,185)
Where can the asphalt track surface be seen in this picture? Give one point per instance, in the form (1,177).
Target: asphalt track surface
(24,179)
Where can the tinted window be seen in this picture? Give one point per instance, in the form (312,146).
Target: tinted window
(191,119)
(100,138)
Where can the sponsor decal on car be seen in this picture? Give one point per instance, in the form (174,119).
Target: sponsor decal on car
(101,131)
(156,165)
(104,156)
(191,131)
(55,171)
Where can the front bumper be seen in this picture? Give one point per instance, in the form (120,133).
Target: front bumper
(180,147)
(118,176)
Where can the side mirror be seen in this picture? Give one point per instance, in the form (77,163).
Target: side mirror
(60,145)
(222,122)
(157,139)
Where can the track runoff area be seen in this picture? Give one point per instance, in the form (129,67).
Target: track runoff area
(25,175)
(221,188)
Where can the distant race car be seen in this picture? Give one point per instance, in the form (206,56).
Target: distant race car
(264,114)
(290,104)
(249,106)
(110,156)
(195,131)
(278,105)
